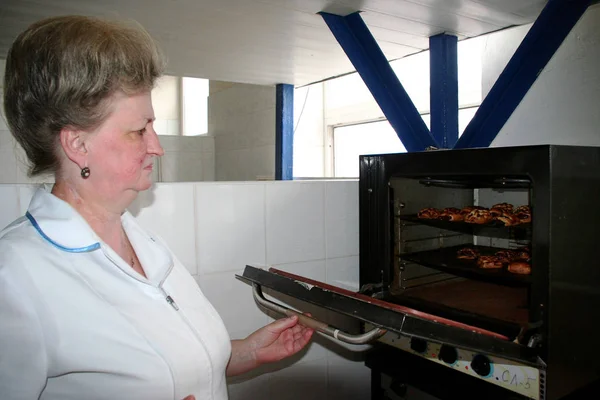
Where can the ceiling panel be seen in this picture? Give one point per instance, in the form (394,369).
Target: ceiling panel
(526,9)
(478,10)
(277,41)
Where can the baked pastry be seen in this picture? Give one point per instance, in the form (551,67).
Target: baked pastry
(519,267)
(521,255)
(524,208)
(501,208)
(451,214)
(523,217)
(466,210)
(508,219)
(467,253)
(489,262)
(496,212)
(478,216)
(505,256)
(428,213)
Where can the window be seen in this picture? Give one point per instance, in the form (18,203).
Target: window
(329,139)
(165,101)
(350,141)
(195,106)
(180,106)
(353,140)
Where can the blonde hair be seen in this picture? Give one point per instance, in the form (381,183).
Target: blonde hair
(62,71)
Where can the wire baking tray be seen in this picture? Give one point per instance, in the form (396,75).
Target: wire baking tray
(445,259)
(492,229)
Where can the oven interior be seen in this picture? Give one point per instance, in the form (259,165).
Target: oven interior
(428,276)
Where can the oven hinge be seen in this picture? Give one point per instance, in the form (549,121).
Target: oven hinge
(375,290)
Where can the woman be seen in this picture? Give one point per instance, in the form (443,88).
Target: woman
(92,306)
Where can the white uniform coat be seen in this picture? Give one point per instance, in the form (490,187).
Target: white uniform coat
(76,322)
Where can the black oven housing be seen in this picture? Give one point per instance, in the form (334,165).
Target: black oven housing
(565,287)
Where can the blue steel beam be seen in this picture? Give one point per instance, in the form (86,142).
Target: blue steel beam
(443,73)
(361,48)
(284,132)
(546,35)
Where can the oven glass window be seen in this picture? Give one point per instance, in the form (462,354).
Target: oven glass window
(462,248)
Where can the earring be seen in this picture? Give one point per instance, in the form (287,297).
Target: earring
(85,172)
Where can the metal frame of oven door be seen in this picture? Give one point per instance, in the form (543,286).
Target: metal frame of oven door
(376,208)
(386,318)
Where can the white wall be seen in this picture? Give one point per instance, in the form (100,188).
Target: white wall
(562,105)
(215,229)
(241,117)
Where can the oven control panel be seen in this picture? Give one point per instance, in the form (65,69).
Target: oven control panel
(525,380)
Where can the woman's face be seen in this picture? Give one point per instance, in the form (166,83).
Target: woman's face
(121,151)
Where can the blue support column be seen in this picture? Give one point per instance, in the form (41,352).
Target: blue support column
(361,48)
(443,72)
(284,132)
(546,35)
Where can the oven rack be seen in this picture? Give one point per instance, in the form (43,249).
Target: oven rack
(493,229)
(477,182)
(444,259)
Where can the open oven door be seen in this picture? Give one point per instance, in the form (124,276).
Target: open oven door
(382,316)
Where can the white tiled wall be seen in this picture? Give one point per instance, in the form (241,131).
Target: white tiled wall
(230,221)
(13,168)
(295,214)
(242,120)
(216,228)
(9,195)
(187,159)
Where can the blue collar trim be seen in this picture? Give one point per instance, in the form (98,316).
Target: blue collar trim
(86,249)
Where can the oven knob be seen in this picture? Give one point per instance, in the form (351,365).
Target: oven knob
(418,345)
(448,354)
(481,365)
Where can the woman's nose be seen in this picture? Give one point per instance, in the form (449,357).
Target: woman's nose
(154,146)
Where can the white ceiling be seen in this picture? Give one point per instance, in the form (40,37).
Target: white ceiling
(277,41)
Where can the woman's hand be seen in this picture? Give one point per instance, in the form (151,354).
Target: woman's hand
(273,342)
(279,340)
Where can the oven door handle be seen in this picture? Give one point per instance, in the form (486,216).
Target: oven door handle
(315,324)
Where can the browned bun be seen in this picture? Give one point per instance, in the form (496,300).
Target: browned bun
(506,207)
(467,253)
(478,216)
(524,208)
(508,219)
(523,217)
(519,267)
(521,255)
(489,262)
(496,212)
(428,213)
(505,256)
(451,214)
(466,210)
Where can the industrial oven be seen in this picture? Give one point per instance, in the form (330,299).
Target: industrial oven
(477,272)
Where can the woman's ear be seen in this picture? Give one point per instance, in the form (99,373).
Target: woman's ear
(73,143)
